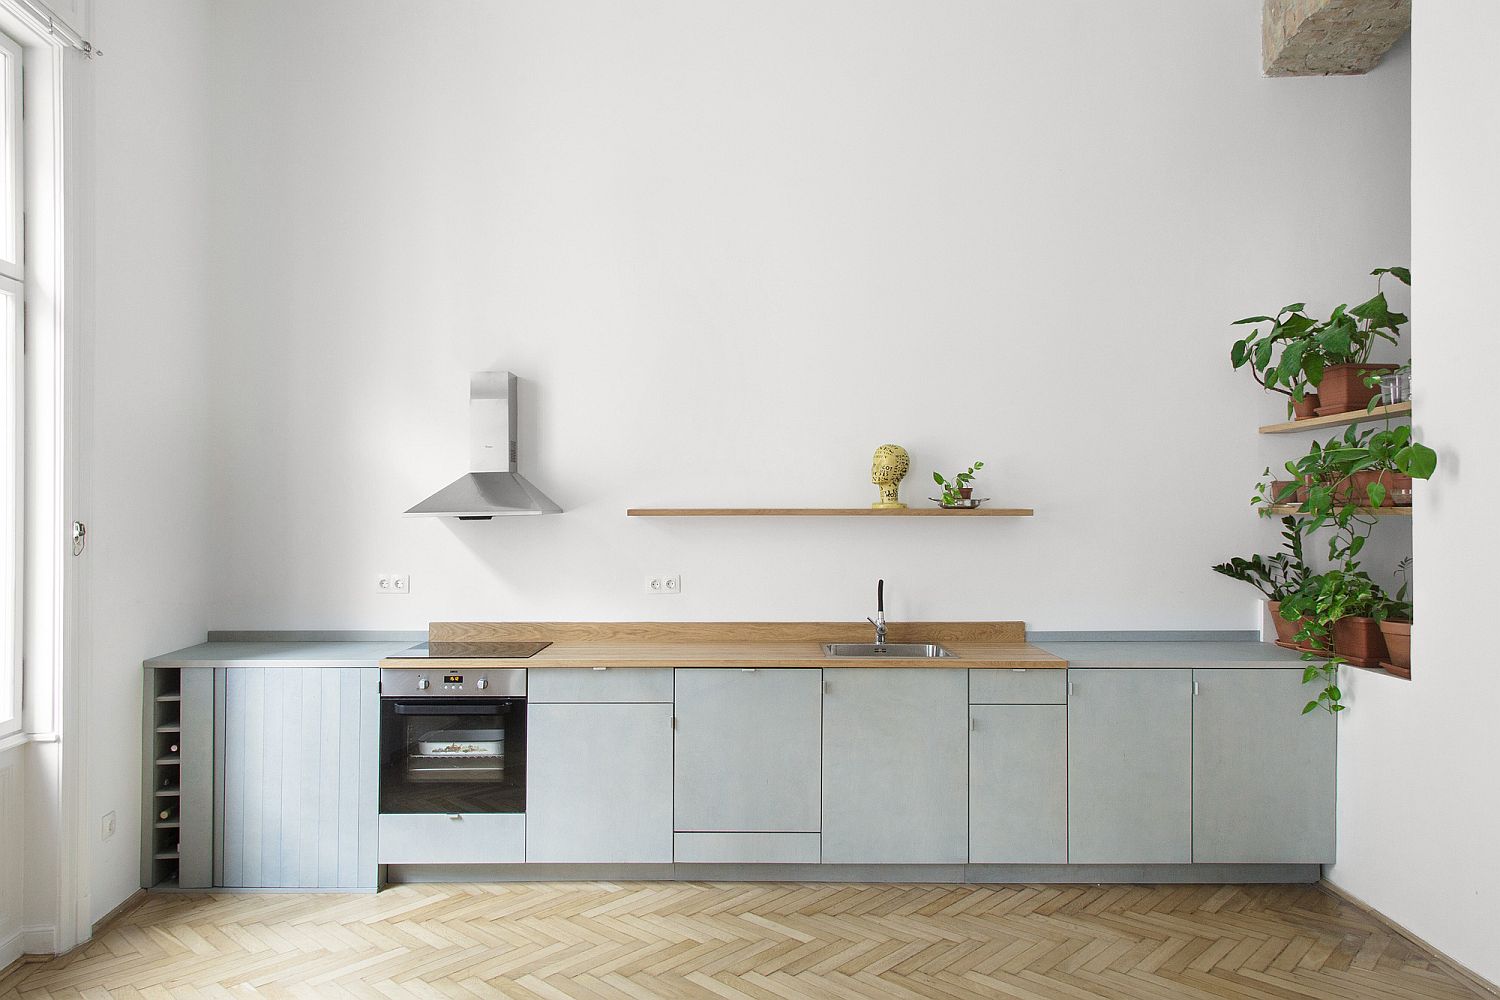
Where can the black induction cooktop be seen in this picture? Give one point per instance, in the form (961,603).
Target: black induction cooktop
(471,651)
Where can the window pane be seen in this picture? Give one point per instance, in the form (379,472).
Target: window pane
(10,158)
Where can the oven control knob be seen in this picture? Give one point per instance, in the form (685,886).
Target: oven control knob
(423,684)
(482,683)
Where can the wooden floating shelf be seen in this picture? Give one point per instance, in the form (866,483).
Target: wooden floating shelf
(1339,419)
(826,512)
(1293,509)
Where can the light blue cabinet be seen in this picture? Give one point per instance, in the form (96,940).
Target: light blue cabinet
(895,766)
(298,792)
(1130,766)
(1018,784)
(748,748)
(1263,773)
(599,782)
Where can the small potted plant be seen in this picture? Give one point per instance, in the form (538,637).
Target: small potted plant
(1277,577)
(1338,611)
(958,493)
(1297,354)
(1395,615)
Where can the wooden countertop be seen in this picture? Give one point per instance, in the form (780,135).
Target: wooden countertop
(1011,655)
(737,644)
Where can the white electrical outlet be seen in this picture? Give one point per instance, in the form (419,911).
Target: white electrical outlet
(393,583)
(672,584)
(654,585)
(108,826)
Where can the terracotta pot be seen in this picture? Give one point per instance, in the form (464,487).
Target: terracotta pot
(1308,407)
(1356,489)
(1282,491)
(1400,489)
(1343,387)
(966,492)
(1397,636)
(1358,639)
(1285,631)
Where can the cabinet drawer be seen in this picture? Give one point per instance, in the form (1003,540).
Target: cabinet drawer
(461,838)
(746,848)
(563,685)
(992,686)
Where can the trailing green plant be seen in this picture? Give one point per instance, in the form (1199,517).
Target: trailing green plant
(1322,601)
(1398,607)
(1291,354)
(1328,468)
(1276,577)
(951,494)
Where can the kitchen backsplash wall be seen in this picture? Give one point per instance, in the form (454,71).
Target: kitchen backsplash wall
(731,248)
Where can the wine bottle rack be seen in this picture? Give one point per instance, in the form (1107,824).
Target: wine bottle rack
(177,754)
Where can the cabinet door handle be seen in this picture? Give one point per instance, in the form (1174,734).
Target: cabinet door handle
(1070,689)
(455,816)
(971,723)
(1018,670)
(747,670)
(1195,689)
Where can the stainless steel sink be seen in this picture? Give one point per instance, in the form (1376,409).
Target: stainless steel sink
(907,650)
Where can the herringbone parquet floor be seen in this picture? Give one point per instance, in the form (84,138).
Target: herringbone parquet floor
(767,941)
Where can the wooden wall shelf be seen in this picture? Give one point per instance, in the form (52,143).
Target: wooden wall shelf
(1339,419)
(1293,509)
(825,512)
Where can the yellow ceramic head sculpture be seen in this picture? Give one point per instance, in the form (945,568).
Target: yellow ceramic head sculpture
(887,470)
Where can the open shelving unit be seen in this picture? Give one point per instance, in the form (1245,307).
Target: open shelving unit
(1291,509)
(161,846)
(826,512)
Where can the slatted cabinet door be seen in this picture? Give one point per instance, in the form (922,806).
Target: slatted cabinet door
(299,765)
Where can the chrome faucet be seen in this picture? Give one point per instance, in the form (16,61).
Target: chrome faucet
(879,620)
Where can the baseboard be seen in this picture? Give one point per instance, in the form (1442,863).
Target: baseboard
(1442,958)
(10,952)
(39,940)
(131,902)
(954,874)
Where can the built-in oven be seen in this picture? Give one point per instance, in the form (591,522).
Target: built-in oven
(452,741)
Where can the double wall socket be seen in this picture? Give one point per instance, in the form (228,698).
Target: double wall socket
(664,584)
(393,583)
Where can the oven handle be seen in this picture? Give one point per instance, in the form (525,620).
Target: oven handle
(480,708)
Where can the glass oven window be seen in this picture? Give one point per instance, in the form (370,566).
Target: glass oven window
(441,755)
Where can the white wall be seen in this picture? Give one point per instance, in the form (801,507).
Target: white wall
(148,490)
(729,249)
(1418,804)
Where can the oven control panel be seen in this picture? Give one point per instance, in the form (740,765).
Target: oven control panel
(436,681)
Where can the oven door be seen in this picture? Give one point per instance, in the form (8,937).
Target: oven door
(453,755)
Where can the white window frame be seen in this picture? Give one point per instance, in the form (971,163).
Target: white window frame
(13,371)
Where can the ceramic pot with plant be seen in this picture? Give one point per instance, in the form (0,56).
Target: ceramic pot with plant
(1306,407)
(1337,609)
(1297,354)
(1275,577)
(959,492)
(1358,470)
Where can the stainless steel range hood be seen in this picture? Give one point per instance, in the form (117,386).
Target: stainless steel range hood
(493,487)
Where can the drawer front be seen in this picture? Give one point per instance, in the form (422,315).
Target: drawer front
(993,686)
(564,685)
(746,848)
(460,838)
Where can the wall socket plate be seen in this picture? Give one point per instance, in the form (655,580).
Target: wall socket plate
(393,583)
(107,826)
(664,584)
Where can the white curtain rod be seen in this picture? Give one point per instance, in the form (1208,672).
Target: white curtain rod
(59,28)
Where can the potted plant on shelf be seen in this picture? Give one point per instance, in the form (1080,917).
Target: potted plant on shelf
(1331,356)
(1277,577)
(1395,615)
(1337,610)
(959,493)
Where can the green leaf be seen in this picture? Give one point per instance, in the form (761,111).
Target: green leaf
(1253,319)
(937,477)
(1309,707)
(1377,494)
(1417,461)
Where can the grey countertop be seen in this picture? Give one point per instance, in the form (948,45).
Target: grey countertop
(344,652)
(1192,653)
(300,653)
